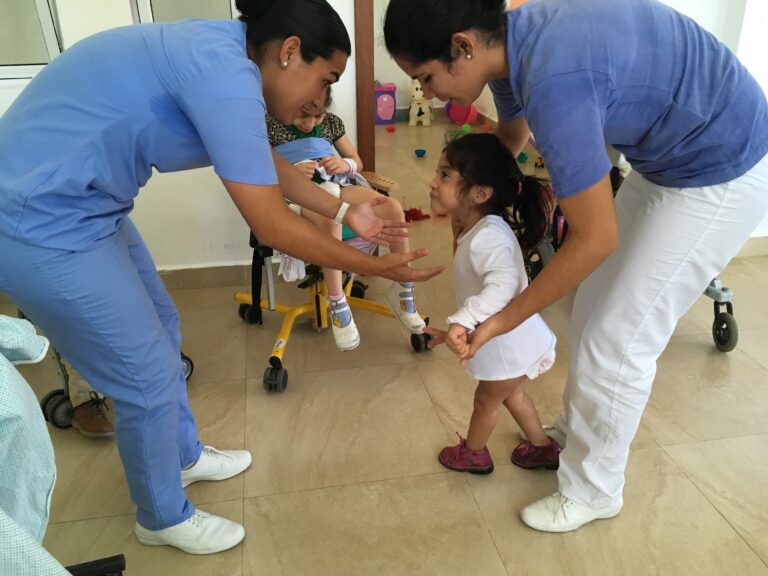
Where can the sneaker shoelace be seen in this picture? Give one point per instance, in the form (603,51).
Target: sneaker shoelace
(99,403)
(562,506)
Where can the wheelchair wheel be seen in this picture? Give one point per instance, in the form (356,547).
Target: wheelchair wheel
(46,404)
(59,412)
(251,314)
(419,342)
(187,366)
(725,332)
(275,379)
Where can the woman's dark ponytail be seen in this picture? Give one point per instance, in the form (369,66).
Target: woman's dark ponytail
(421,30)
(523,201)
(320,28)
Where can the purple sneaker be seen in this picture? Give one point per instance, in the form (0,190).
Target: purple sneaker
(462,459)
(531,457)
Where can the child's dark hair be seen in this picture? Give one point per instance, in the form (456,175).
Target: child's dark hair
(523,201)
(314,21)
(421,30)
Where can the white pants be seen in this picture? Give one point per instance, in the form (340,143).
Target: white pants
(672,243)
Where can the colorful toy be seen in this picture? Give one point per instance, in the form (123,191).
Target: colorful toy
(487,127)
(460,114)
(384,97)
(451,135)
(390,128)
(539,162)
(522,158)
(414,215)
(421,109)
(420,152)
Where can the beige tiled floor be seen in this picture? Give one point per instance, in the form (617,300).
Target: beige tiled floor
(345,479)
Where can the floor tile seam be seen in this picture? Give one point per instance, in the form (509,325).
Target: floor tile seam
(106,517)
(313,372)
(706,440)
(488,527)
(714,506)
(359,483)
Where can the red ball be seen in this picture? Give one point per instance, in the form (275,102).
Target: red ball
(461,115)
(390,128)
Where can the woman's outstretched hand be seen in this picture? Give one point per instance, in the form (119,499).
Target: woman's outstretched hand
(362,219)
(397,267)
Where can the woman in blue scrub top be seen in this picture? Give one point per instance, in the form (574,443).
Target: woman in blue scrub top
(75,148)
(694,125)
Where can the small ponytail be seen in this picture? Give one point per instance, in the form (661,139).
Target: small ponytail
(252,9)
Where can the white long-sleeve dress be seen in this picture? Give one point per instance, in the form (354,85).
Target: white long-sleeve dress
(489,272)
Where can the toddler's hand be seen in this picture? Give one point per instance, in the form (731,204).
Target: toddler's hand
(334,165)
(456,339)
(307,168)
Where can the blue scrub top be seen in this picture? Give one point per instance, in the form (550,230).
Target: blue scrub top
(83,137)
(637,75)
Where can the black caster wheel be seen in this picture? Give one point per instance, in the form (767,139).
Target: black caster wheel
(60,412)
(358,289)
(251,314)
(419,342)
(275,379)
(46,404)
(725,332)
(187,366)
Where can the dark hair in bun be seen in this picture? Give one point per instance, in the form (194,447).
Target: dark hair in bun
(421,30)
(314,21)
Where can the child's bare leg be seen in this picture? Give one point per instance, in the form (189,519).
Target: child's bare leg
(391,210)
(489,397)
(524,412)
(332,277)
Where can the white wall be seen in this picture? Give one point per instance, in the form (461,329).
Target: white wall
(753,51)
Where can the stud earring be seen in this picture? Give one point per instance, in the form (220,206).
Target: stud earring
(285,63)
(469,56)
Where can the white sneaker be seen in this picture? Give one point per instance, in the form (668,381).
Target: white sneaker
(201,533)
(216,465)
(343,326)
(401,302)
(558,513)
(553,432)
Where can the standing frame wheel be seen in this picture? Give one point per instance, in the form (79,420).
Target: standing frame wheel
(419,342)
(725,331)
(250,314)
(275,379)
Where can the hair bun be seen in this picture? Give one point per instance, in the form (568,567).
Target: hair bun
(253,9)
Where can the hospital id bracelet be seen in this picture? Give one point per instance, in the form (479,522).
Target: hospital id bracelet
(341,213)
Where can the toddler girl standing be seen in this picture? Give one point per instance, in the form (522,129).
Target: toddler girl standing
(494,210)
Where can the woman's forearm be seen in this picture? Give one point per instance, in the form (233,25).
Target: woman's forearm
(592,238)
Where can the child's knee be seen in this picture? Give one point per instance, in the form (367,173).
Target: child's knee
(394,210)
